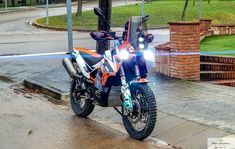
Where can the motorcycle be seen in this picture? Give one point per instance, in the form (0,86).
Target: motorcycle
(118,78)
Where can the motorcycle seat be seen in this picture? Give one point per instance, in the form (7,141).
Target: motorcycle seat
(89,56)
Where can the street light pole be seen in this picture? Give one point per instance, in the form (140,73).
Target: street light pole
(70,26)
(200,13)
(142,7)
(5,5)
(126,2)
(47,23)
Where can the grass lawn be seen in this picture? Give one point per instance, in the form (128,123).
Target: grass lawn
(219,45)
(161,12)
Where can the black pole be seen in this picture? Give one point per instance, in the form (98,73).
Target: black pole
(106,7)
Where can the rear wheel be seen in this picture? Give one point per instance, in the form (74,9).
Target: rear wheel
(80,99)
(141,122)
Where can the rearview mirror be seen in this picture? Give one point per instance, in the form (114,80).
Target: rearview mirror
(150,38)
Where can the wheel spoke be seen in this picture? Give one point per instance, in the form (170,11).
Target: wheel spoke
(139,119)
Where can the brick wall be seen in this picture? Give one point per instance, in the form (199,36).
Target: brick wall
(180,58)
(223,29)
(163,59)
(207,29)
(183,60)
(205,26)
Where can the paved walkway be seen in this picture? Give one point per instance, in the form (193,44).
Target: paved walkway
(32,121)
(74,4)
(189,112)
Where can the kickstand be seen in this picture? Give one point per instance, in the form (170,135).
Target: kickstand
(118,111)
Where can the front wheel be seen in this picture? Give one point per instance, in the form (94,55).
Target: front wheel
(141,122)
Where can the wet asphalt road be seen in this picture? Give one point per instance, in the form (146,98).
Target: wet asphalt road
(18,37)
(31,121)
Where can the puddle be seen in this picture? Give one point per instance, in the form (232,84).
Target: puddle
(6,79)
(57,102)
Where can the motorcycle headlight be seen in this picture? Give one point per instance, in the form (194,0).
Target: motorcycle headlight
(148,55)
(141,39)
(141,46)
(124,54)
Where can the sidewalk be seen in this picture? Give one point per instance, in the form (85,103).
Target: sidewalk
(17,9)
(26,8)
(189,112)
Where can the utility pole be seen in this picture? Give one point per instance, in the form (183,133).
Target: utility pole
(70,26)
(47,23)
(142,7)
(5,5)
(200,13)
(106,7)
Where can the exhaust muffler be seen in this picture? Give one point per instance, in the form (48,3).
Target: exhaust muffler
(69,67)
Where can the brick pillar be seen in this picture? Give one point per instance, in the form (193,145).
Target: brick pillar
(205,26)
(163,58)
(184,50)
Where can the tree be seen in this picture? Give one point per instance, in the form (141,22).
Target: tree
(185,9)
(23,2)
(106,7)
(13,3)
(79,9)
(193,2)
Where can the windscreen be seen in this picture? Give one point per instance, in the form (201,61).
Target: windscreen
(137,29)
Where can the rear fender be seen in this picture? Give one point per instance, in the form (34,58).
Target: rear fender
(81,64)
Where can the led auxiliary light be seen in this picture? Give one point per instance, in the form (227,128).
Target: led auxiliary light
(141,39)
(141,46)
(124,55)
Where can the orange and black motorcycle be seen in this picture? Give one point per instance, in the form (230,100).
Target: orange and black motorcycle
(116,79)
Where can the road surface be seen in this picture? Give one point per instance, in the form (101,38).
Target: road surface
(31,121)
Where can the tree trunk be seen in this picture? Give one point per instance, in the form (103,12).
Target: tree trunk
(106,7)
(79,9)
(13,3)
(185,9)
(23,2)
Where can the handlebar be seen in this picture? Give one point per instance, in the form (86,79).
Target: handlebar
(104,35)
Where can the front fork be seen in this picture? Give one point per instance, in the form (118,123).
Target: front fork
(126,94)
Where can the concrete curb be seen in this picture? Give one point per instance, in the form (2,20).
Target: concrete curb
(34,23)
(119,127)
(49,91)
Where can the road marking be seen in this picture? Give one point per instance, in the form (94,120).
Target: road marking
(32,55)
